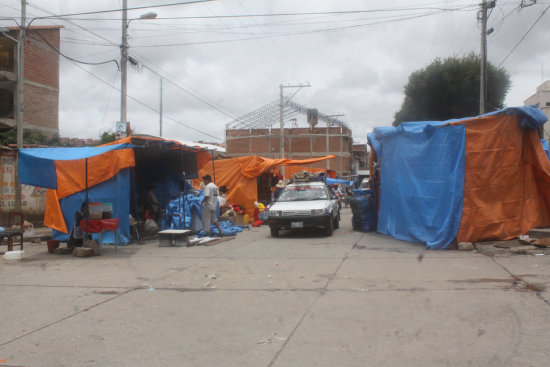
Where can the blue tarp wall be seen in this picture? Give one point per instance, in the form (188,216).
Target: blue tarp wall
(116,191)
(422,181)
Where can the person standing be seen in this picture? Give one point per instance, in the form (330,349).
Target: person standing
(209,205)
(152,203)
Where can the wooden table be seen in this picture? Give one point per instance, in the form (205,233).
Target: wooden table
(10,235)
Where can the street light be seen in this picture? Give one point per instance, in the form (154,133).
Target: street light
(121,125)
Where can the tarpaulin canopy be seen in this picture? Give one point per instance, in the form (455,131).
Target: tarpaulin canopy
(203,155)
(38,166)
(471,179)
(67,171)
(239,175)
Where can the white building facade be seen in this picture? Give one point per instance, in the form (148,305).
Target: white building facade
(542,100)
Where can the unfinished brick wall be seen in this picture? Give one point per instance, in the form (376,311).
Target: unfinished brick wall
(41,99)
(41,72)
(300,143)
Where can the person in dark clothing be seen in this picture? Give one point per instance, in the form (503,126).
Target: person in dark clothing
(151,202)
(77,235)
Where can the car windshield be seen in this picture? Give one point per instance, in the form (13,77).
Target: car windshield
(303,193)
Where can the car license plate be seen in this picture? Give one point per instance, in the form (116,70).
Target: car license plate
(296,224)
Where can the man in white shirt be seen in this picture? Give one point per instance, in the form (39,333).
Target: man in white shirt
(209,205)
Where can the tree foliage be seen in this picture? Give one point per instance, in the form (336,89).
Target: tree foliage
(107,137)
(450,89)
(29,137)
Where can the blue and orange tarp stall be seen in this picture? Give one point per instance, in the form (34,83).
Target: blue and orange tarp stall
(473,179)
(240,175)
(113,173)
(68,173)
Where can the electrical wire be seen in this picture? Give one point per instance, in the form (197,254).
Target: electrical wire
(292,33)
(68,57)
(120,10)
(525,35)
(147,106)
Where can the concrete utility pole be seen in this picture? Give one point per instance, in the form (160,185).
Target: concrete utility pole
(124,63)
(281,122)
(160,107)
(483,69)
(19,107)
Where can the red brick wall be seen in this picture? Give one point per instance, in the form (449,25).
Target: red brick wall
(256,142)
(41,106)
(41,61)
(41,90)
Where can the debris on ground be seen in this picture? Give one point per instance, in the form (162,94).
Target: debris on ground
(465,246)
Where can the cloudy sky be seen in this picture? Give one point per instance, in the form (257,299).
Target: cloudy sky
(222,59)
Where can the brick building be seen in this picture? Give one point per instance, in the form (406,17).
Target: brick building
(41,79)
(360,157)
(259,133)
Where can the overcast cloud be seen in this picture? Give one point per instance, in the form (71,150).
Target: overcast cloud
(357,63)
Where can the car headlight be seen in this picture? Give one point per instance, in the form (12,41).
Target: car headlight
(317,211)
(275,213)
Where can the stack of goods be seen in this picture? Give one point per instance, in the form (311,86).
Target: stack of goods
(364,213)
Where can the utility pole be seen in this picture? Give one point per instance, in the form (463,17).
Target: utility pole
(19,107)
(124,65)
(281,122)
(483,69)
(160,107)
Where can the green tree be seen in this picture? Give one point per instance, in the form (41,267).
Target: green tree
(107,137)
(450,89)
(29,137)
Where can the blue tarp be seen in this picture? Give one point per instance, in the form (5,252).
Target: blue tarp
(116,191)
(331,181)
(546,148)
(192,203)
(422,176)
(37,165)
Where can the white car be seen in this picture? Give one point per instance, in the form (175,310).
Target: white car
(305,204)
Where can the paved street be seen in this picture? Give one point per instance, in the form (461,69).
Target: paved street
(354,299)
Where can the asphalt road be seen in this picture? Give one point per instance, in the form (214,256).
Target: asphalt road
(353,299)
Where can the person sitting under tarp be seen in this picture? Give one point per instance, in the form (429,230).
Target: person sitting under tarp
(151,204)
(77,236)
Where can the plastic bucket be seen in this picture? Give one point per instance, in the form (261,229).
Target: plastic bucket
(52,245)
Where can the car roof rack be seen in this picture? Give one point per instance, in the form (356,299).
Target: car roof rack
(305,176)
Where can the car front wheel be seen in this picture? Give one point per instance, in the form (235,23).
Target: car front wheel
(330,227)
(274,231)
(337,221)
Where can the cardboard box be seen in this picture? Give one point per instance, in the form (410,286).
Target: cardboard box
(239,220)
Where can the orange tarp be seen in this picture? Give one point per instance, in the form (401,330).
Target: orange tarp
(239,175)
(203,155)
(71,178)
(507,180)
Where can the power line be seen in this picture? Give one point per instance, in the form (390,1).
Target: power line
(188,92)
(68,57)
(120,10)
(146,105)
(525,35)
(357,26)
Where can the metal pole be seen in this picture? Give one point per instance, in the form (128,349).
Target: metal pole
(281,123)
(124,61)
(483,73)
(20,99)
(160,107)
